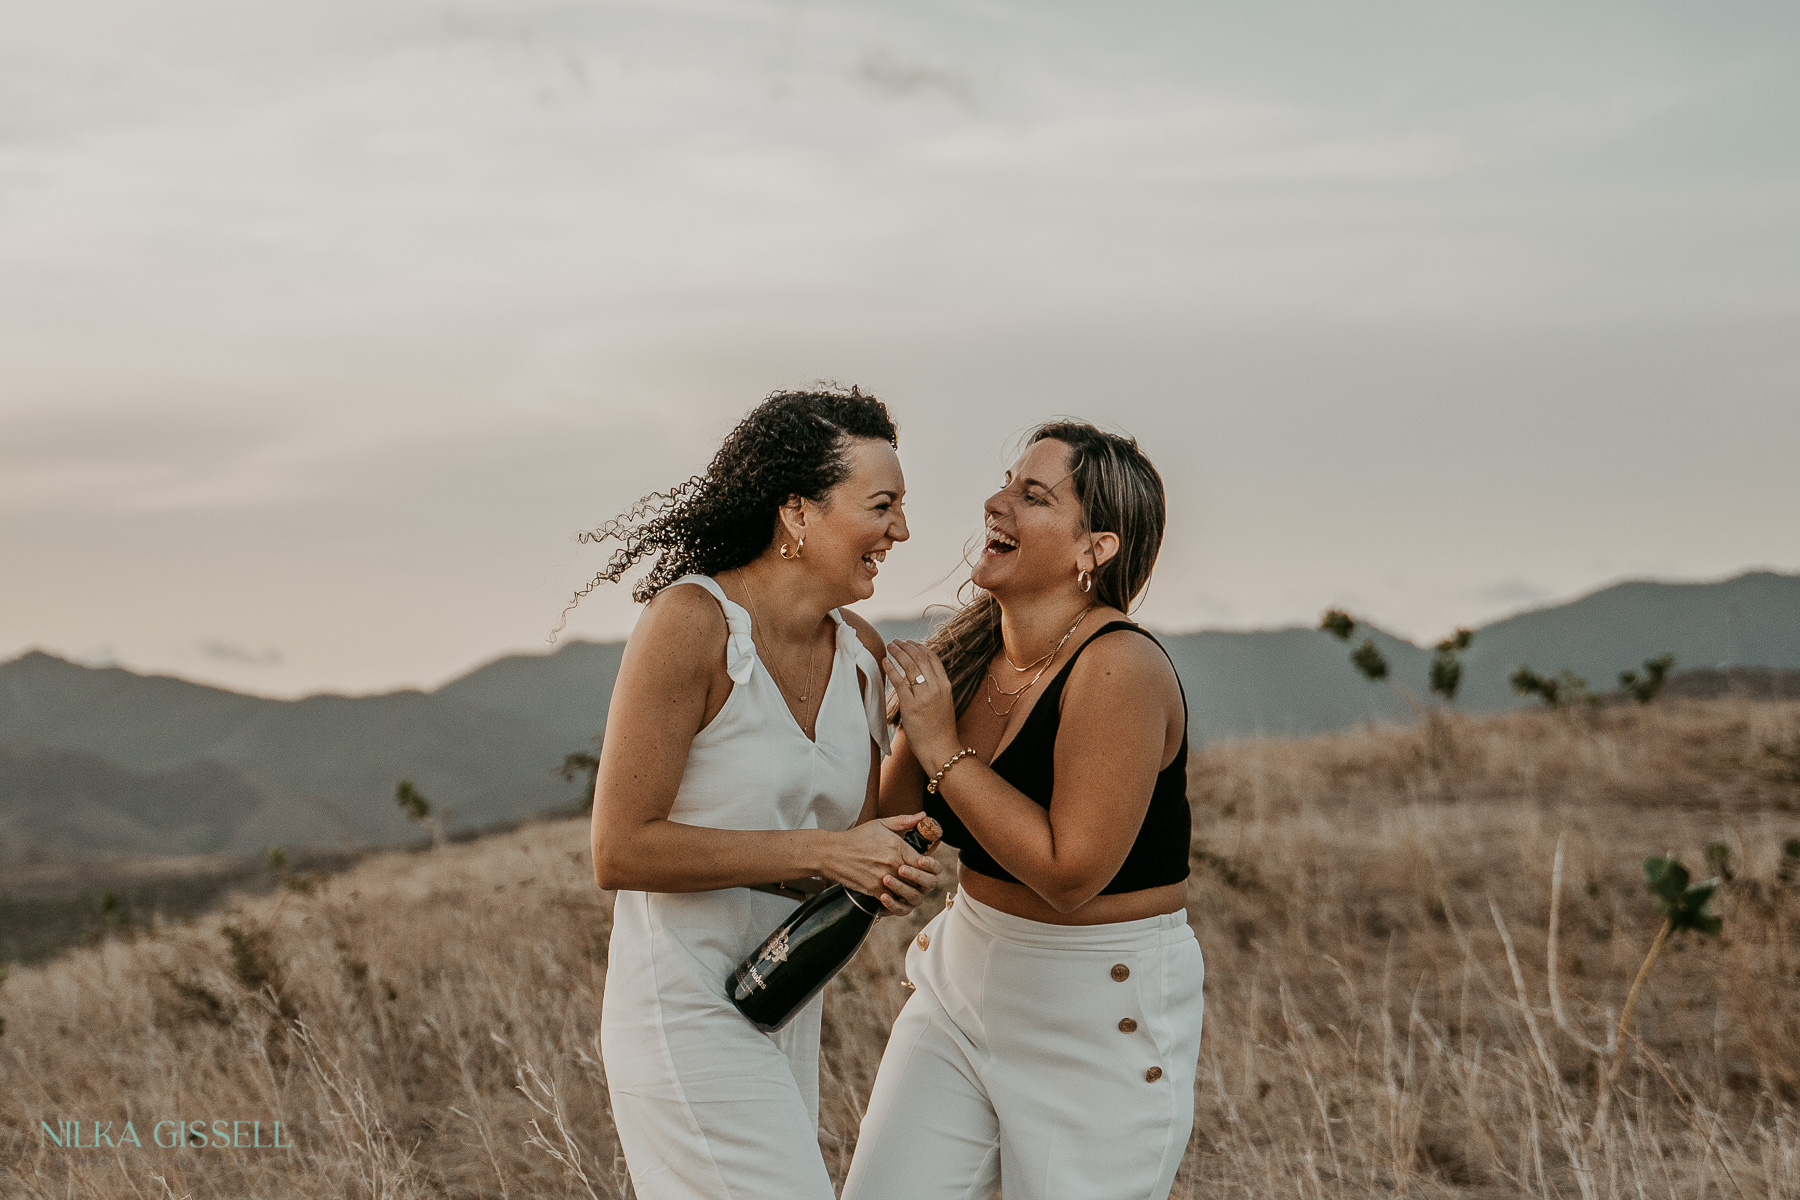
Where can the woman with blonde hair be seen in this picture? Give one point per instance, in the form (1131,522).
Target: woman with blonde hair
(1050,1045)
(743,748)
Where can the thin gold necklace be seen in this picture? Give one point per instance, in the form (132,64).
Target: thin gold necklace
(1034,662)
(993,685)
(1021,670)
(812,662)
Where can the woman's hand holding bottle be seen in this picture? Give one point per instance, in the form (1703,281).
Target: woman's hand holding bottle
(872,859)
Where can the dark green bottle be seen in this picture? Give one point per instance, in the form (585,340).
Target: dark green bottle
(813,944)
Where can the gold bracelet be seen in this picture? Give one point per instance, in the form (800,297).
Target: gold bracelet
(932,787)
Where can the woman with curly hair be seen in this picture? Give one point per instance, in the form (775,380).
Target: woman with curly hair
(1050,1045)
(743,748)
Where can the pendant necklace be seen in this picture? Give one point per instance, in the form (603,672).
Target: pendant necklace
(812,661)
(993,685)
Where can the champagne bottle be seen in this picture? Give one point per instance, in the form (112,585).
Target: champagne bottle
(799,958)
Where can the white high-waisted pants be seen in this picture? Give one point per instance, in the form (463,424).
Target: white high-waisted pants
(707,1106)
(1054,1062)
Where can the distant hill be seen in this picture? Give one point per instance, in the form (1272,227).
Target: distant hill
(1750,621)
(1298,681)
(565,693)
(318,770)
(62,798)
(1284,682)
(95,758)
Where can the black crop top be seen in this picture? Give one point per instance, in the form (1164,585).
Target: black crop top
(1159,855)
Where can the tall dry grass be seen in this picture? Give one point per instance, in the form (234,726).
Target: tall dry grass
(1375,911)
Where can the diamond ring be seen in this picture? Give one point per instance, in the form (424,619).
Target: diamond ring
(918,679)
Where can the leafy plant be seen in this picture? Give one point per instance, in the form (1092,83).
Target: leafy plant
(1556,691)
(412,802)
(417,808)
(1446,666)
(1370,661)
(1682,904)
(1366,658)
(582,765)
(1643,688)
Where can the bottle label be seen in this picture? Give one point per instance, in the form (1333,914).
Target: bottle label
(777,948)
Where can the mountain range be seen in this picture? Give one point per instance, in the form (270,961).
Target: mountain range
(104,759)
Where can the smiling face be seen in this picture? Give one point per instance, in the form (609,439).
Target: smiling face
(1036,538)
(849,534)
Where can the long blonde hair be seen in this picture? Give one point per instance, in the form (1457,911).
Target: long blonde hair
(1120,493)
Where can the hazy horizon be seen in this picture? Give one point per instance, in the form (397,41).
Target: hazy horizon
(326,328)
(870,608)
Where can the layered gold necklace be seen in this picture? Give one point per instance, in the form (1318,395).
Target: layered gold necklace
(1042,664)
(812,662)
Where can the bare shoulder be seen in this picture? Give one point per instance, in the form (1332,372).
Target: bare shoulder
(1123,662)
(683,629)
(869,635)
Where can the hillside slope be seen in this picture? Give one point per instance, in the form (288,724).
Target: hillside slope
(1364,903)
(484,745)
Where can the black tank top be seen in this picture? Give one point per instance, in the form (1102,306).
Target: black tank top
(1159,855)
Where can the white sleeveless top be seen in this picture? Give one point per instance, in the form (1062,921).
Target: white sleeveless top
(682,1064)
(753,767)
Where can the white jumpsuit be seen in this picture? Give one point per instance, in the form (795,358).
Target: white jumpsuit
(707,1106)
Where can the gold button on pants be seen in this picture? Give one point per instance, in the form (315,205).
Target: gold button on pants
(1120,972)
(1127,1025)
(1153,1074)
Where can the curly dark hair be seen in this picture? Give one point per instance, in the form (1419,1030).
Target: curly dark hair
(792,444)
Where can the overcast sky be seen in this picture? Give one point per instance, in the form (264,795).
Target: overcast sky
(324,326)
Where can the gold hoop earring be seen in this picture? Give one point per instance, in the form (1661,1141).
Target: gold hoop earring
(798,550)
(785,550)
(1086,580)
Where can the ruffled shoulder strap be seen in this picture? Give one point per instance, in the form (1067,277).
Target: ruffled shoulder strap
(740,647)
(874,685)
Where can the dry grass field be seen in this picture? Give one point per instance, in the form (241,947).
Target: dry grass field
(1385,1012)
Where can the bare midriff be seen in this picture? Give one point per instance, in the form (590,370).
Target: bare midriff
(1021,901)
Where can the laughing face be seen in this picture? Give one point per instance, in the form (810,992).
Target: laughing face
(848,537)
(1035,536)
